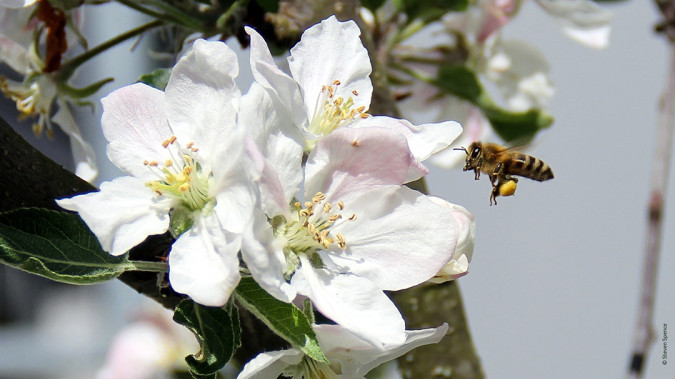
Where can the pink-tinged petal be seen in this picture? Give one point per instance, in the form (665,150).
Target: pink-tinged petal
(83,153)
(353,302)
(264,257)
(400,239)
(201,96)
(278,84)
(280,145)
(423,140)
(14,55)
(140,351)
(330,51)
(134,123)
(271,364)
(122,214)
(203,263)
(357,159)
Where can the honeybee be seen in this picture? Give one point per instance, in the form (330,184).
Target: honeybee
(501,164)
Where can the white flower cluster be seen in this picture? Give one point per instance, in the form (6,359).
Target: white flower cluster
(293,181)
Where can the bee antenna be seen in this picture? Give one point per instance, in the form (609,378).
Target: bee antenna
(462,148)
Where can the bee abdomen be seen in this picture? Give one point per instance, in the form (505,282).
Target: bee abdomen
(530,167)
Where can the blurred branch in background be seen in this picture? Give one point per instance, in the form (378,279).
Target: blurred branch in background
(644,334)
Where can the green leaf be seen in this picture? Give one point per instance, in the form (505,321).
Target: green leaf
(430,10)
(285,319)
(217,333)
(56,245)
(461,82)
(510,126)
(158,78)
(520,127)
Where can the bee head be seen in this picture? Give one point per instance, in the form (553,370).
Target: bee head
(473,154)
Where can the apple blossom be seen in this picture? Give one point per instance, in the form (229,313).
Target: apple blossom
(187,168)
(349,356)
(329,87)
(358,232)
(38,92)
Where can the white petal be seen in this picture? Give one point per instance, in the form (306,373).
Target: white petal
(597,37)
(283,89)
(330,51)
(356,159)
(122,214)
(14,55)
(202,97)
(83,153)
(414,339)
(353,302)
(134,123)
(458,266)
(280,143)
(203,263)
(399,239)
(476,127)
(264,257)
(582,20)
(17,3)
(271,364)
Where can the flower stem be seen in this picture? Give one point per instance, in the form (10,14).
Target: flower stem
(171,15)
(67,68)
(644,332)
(149,266)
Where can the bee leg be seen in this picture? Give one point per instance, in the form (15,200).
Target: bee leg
(494,194)
(495,188)
(476,173)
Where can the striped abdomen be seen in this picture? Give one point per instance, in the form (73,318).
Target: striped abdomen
(529,167)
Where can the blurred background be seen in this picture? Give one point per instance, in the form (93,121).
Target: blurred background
(553,285)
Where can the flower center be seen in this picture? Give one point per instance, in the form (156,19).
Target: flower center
(309,230)
(33,97)
(334,111)
(310,368)
(181,178)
